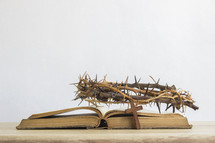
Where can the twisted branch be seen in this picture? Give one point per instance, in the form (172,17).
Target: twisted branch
(102,91)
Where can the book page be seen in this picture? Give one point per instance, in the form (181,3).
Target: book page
(46,114)
(102,109)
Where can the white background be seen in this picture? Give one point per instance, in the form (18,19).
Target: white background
(45,45)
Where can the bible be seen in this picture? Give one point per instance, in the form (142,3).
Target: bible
(112,119)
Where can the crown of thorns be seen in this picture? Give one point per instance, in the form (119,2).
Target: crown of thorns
(103,91)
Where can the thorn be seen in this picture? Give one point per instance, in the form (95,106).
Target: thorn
(135,79)
(80,102)
(83,75)
(89,76)
(182,108)
(126,81)
(96,78)
(76,92)
(105,78)
(119,85)
(173,109)
(73,83)
(147,90)
(158,105)
(152,78)
(167,86)
(158,81)
(173,87)
(139,80)
(168,107)
(116,83)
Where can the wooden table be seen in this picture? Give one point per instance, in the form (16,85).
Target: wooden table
(201,132)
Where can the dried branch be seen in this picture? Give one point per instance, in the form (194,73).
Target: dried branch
(103,91)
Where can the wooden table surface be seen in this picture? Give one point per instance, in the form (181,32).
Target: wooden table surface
(201,132)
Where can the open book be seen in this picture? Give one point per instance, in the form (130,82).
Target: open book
(112,119)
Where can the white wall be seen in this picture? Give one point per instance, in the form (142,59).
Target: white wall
(45,45)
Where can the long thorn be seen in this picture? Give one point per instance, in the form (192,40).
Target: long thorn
(158,105)
(139,80)
(158,81)
(147,90)
(173,109)
(168,107)
(152,78)
(83,75)
(80,102)
(135,79)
